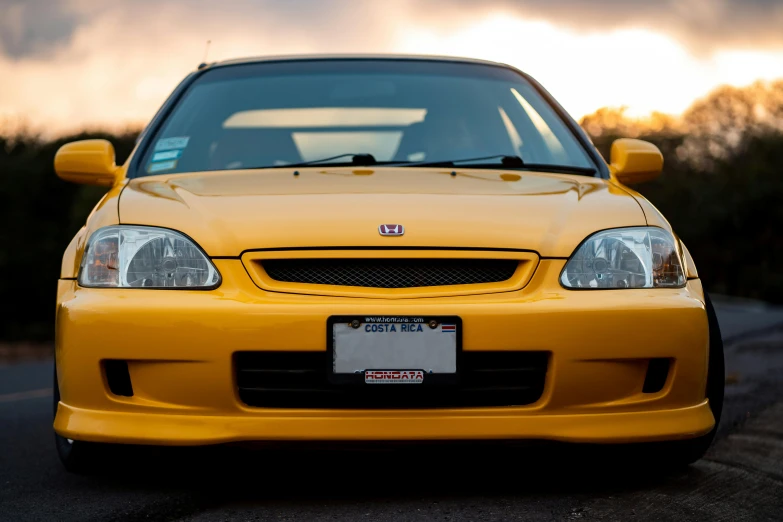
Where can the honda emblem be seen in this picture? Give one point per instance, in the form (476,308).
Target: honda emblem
(391,230)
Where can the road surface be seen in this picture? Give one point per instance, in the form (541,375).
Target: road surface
(741,479)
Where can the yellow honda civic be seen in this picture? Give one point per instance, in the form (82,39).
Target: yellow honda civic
(377,248)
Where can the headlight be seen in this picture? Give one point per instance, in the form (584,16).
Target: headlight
(145,257)
(639,257)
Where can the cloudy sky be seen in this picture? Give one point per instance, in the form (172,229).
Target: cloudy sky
(66,64)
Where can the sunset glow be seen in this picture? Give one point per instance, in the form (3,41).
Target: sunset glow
(115,71)
(637,68)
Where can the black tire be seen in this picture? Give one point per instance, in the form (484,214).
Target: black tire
(679,454)
(689,451)
(77,456)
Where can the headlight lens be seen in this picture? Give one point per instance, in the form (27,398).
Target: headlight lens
(643,257)
(145,257)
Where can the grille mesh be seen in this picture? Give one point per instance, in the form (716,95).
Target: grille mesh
(390,273)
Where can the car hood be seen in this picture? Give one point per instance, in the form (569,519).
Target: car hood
(229,212)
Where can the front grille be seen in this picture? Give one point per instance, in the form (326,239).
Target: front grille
(390,273)
(300,380)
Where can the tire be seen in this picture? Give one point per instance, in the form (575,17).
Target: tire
(679,454)
(77,456)
(689,451)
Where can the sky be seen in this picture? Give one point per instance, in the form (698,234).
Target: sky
(71,64)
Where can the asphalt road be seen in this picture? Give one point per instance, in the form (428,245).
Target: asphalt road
(741,479)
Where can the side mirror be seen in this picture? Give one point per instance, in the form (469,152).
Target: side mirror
(635,161)
(90,162)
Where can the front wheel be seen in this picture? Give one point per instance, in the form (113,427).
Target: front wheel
(77,456)
(677,454)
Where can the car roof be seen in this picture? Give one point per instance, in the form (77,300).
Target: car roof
(325,57)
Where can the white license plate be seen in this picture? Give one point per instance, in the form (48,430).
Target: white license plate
(378,346)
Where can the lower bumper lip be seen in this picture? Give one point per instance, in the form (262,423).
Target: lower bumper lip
(136,428)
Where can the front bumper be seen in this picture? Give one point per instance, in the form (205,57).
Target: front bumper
(180,344)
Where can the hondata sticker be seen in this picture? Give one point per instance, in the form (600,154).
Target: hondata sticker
(161,165)
(393,377)
(167,155)
(172,143)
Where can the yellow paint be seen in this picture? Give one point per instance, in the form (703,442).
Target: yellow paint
(635,161)
(173,428)
(90,162)
(230,212)
(180,344)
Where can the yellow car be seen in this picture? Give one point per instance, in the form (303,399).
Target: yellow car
(377,248)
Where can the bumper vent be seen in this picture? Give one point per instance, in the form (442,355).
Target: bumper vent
(300,380)
(118,377)
(390,273)
(657,374)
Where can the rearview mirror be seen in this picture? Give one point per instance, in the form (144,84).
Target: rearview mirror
(90,162)
(635,161)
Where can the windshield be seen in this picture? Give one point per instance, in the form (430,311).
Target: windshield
(265,115)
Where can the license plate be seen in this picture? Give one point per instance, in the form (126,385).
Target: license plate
(378,350)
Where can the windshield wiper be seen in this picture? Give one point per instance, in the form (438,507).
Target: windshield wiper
(506,161)
(362,160)
(484,162)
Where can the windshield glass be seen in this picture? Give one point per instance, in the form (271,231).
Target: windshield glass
(275,114)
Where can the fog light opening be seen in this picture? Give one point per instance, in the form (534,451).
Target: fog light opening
(118,378)
(657,374)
